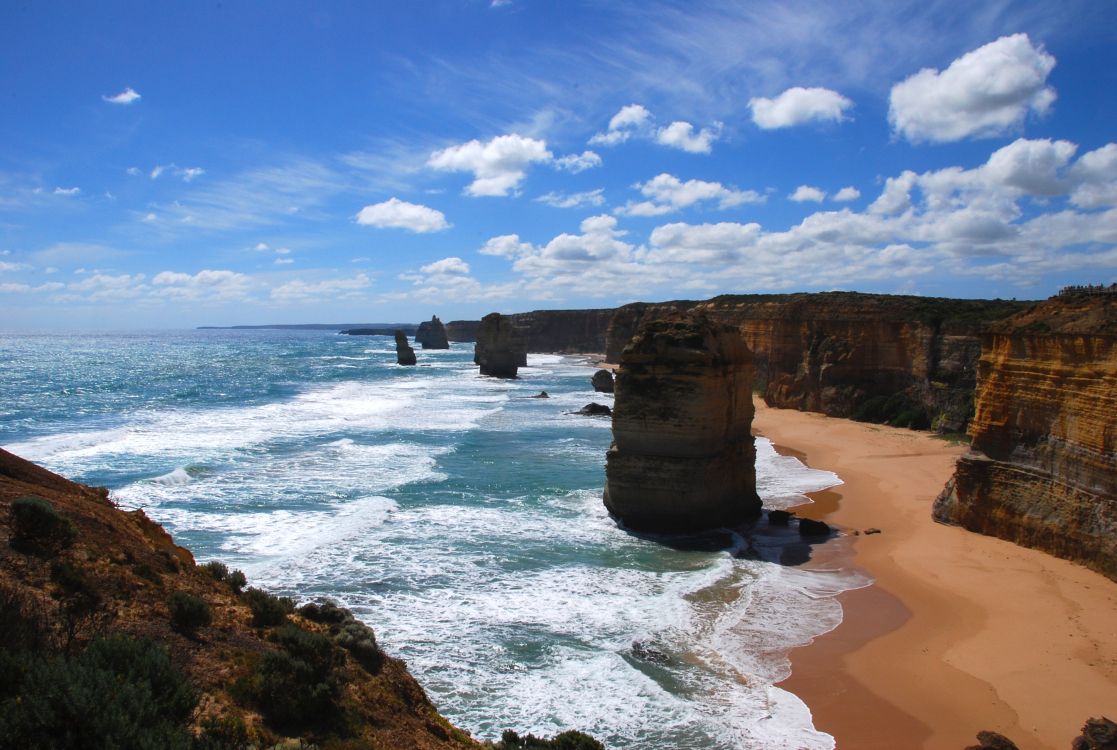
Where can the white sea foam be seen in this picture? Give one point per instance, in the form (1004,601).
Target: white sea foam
(176,477)
(783,481)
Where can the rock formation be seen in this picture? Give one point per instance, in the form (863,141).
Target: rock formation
(1042,471)
(500,348)
(602,381)
(432,335)
(405,355)
(683,456)
(564,331)
(462,330)
(594,410)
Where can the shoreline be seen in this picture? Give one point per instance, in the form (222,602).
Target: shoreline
(959,632)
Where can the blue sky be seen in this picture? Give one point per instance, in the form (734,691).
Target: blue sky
(182,164)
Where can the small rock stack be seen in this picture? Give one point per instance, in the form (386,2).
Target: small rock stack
(405,355)
(432,334)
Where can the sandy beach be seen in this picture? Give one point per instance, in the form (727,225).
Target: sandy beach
(960,632)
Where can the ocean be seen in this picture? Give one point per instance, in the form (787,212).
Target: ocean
(456,515)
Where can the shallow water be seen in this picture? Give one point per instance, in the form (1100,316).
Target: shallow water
(457,516)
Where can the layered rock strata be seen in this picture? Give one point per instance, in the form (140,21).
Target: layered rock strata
(405,355)
(500,349)
(1042,471)
(462,330)
(432,334)
(683,456)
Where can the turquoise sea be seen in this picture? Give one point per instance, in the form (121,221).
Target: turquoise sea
(456,515)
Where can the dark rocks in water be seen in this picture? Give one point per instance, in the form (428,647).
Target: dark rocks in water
(1097,734)
(602,381)
(595,410)
(810,527)
(432,334)
(683,456)
(500,349)
(649,653)
(405,355)
(541,394)
(780,517)
(993,741)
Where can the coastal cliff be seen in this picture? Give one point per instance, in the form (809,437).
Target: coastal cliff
(1043,467)
(683,456)
(92,594)
(462,330)
(564,331)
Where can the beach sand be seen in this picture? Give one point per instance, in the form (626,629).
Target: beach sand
(960,632)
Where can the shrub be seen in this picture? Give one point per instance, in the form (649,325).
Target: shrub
(22,623)
(359,640)
(188,612)
(119,692)
(37,526)
(80,605)
(325,612)
(225,733)
(569,740)
(297,687)
(236,581)
(218,570)
(268,609)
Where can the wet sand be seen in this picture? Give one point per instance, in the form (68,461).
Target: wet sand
(960,632)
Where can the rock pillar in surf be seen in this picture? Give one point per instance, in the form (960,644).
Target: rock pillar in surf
(432,334)
(500,348)
(683,456)
(405,355)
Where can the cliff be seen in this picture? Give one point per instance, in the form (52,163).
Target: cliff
(1043,468)
(500,347)
(432,334)
(93,595)
(683,456)
(564,331)
(462,330)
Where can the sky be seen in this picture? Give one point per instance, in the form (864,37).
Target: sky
(175,164)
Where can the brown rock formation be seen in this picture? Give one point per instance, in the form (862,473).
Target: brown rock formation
(126,568)
(405,355)
(602,381)
(1043,469)
(683,456)
(500,347)
(462,330)
(564,331)
(432,334)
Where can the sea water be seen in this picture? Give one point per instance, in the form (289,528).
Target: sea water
(456,514)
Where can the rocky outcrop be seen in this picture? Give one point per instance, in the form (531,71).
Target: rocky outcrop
(405,355)
(564,331)
(602,381)
(432,334)
(683,456)
(500,348)
(1042,471)
(462,330)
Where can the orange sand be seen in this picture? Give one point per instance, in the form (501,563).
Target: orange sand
(961,632)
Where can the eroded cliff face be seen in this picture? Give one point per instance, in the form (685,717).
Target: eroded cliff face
(500,349)
(564,331)
(1043,469)
(683,456)
(462,330)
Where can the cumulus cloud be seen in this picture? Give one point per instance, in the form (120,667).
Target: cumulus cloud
(452,265)
(575,163)
(498,166)
(506,246)
(629,121)
(205,284)
(797,106)
(807,193)
(849,193)
(984,93)
(299,290)
(573,200)
(667,193)
(397,214)
(1095,177)
(681,135)
(127,96)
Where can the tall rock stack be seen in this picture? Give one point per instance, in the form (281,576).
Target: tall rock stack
(1042,471)
(405,355)
(683,456)
(500,349)
(432,334)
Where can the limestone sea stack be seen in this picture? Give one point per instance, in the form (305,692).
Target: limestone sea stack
(405,355)
(432,334)
(1042,471)
(602,381)
(500,349)
(683,457)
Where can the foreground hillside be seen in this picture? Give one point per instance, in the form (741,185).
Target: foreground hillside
(180,655)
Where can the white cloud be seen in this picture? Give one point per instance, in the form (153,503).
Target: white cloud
(158,170)
(681,135)
(575,261)
(668,193)
(127,96)
(807,193)
(984,93)
(849,193)
(189,173)
(1095,174)
(283,261)
(299,290)
(134,171)
(629,121)
(506,246)
(498,166)
(452,265)
(573,200)
(797,106)
(576,163)
(6,266)
(1032,166)
(186,173)
(719,243)
(205,284)
(261,246)
(394,213)
(67,191)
